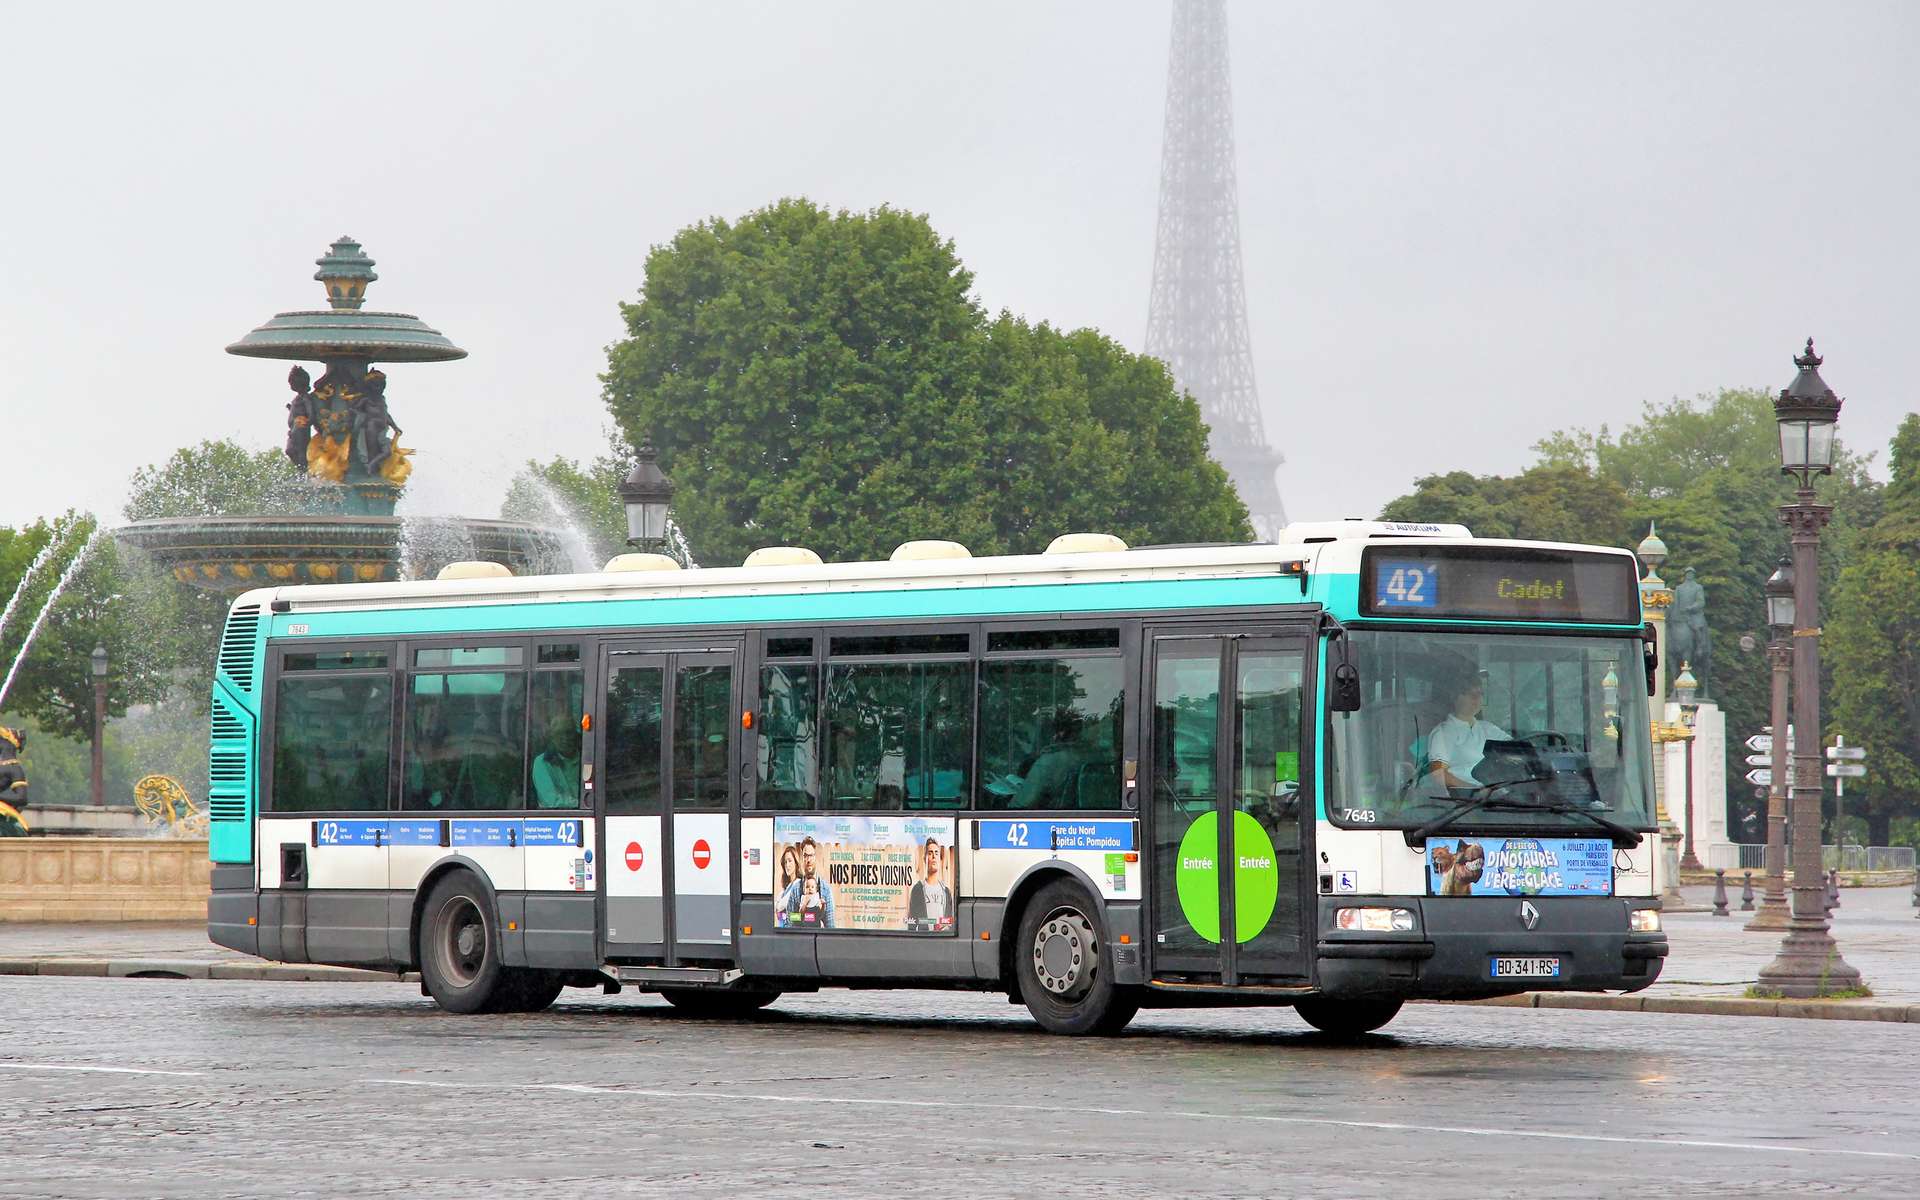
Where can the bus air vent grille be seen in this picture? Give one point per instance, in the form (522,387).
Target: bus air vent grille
(226,808)
(236,646)
(226,727)
(227,766)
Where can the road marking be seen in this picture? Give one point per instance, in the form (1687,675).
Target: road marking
(19,1066)
(1192,1115)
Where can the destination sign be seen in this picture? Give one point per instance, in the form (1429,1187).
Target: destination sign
(1499,583)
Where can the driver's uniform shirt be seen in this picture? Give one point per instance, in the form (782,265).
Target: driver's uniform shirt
(1461,744)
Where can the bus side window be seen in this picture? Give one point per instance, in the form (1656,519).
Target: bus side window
(787,742)
(553,733)
(465,741)
(330,743)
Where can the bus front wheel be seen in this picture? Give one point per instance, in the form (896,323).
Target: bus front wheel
(1346,1018)
(1064,967)
(460,947)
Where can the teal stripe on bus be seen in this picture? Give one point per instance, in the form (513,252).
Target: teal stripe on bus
(1013,600)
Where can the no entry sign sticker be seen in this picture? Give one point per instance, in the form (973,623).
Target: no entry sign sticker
(635,856)
(702,854)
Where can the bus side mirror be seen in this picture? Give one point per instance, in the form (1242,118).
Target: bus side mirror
(1345,694)
(1650,654)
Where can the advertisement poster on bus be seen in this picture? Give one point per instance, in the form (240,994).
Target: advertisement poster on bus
(1519,866)
(883,874)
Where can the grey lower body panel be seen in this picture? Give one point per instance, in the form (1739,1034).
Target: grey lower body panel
(233,909)
(559,930)
(636,921)
(1450,957)
(554,931)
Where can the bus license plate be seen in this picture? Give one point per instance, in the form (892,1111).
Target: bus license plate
(1526,968)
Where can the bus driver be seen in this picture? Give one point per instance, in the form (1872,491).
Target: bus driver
(1458,742)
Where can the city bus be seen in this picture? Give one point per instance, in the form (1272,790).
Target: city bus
(1369,763)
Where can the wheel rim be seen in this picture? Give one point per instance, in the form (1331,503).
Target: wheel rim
(1065,952)
(463,940)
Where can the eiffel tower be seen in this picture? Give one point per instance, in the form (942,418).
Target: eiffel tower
(1197,318)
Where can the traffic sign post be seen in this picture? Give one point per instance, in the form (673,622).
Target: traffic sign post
(1840,769)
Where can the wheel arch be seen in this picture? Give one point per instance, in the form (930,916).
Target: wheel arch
(1024,888)
(439,871)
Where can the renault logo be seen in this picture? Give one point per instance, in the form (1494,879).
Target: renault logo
(1529,915)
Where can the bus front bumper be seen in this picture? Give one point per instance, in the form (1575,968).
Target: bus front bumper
(1458,943)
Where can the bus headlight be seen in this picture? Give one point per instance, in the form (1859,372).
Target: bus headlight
(1374,920)
(1644,920)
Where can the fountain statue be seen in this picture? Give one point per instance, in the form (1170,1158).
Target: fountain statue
(344,447)
(13,783)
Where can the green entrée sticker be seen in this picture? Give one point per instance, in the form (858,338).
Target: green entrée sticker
(1116,864)
(1256,877)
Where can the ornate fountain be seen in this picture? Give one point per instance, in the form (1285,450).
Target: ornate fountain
(346,460)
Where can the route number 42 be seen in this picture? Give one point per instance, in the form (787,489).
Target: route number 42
(1407,585)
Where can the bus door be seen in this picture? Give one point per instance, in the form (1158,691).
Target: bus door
(668,791)
(1230,810)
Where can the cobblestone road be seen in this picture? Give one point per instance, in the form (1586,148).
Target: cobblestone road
(138,1088)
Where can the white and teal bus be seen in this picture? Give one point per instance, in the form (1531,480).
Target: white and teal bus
(1370,763)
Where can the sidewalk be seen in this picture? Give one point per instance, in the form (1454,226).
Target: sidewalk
(1714,960)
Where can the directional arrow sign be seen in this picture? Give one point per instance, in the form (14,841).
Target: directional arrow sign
(1760,777)
(1855,753)
(1759,760)
(1760,743)
(1846,770)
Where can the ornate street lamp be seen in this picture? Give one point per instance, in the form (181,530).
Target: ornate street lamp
(1772,913)
(1686,692)
(647,494)
(98,660)
(1809,962)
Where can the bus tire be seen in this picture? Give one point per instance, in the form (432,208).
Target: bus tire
(529,991)
(702,1002)
(460,947)
(1346,1018)
(1064,967)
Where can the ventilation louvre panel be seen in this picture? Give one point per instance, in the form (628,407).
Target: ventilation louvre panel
(226,808)
(227,766)
(236,646)
(226,727)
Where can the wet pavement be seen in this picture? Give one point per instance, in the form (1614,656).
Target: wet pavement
(163,1088)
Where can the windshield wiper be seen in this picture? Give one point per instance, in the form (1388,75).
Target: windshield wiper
(1484,798)
(1623,836)
(1479,798)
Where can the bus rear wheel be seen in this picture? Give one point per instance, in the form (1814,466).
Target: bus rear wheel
(701,1002)
(1064,967)
(1346,1018)
(460,947)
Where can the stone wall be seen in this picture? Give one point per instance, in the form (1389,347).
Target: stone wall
(103,879)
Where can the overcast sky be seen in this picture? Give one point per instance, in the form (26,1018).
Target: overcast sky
(1465,225)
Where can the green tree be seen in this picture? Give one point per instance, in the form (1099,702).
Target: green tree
(215,478)
(1552,502)
(827,379)
(1872,646)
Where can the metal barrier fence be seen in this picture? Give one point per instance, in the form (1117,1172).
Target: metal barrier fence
(1868,858)
(1752,856)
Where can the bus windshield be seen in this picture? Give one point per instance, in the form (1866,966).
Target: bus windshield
(1522,731)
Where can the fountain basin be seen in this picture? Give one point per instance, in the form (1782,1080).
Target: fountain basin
(231,554)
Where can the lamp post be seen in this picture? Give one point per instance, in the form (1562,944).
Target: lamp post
(1809,962)
(98,659)
(647,494)
(1686,690)
(1772,913)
